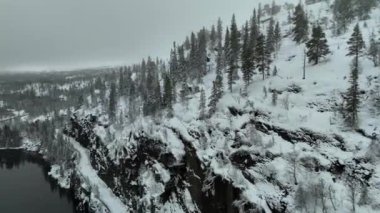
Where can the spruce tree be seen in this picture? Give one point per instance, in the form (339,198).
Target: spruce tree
(277,37)
(219,31)
(112,102)
(202,54)
(168,92)
(235,47)
(202,105)
(234,54)
(173,64)
(352,97)
(193,61)
(121,82)
(301,25)
(262,56)
(226,47)
(253,35)
(246,57)
(271,36)
(317,46)
(213,38)
(216,94)
(219,59)
(356,44)
(373,51)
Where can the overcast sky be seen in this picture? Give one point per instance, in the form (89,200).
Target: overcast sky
(67,34)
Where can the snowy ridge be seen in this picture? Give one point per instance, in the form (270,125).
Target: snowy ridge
(105,194)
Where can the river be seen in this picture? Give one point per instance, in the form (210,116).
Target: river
(26,187)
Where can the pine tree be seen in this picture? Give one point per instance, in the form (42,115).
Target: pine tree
(219,31)
(193,61)
(373,51)
(213,38)
(220,59)
(226,48)
(277,37)
(352,97)
(262,56)
(216,94)
(356,43)
(184,93)
(202,54)
(253,35)
(301,25)
(182,66)
(202,105)
(235,46)
(234,54)
(121,82)
(246,57)
(317,46)
(112,102)
(173,64)
(271,37)
(168,92)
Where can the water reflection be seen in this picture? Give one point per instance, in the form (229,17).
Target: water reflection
(26,187)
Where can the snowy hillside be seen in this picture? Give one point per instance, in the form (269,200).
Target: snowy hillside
(278,144)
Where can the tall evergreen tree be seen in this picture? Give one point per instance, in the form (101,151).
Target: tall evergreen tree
(246,57)
(233,57)
(121,82)
(202,54)
(173,65)
(317,46)
(182,66)
(356,44)
(235,49)
(216,94)
(271,36)
(301,25)
(373,51)
(277,37)
(253,35)
(219,31)
(112,102)
(168,92)
(262,56)
(202,105)
(226,47)
(193,61)
(352,97)
(213,38)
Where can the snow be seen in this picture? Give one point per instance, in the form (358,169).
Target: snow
(311,109)
(105,194)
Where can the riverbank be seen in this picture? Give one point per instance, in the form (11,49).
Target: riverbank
(30,152)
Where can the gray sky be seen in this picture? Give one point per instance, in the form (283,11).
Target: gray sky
(67,34)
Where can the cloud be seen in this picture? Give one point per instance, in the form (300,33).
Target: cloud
(56,34)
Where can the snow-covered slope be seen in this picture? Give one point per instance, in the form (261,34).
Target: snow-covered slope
(251,154)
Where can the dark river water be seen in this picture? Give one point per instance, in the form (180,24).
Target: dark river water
(26,187)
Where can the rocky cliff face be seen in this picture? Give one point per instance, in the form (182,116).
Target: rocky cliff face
(148,170)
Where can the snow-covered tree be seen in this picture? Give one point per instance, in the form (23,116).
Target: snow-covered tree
(301,25)
(317,46)
(373,51)
(246,57)
(202,105)
(352,96)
